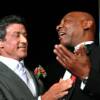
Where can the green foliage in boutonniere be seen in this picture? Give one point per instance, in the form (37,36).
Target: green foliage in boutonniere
(40,72)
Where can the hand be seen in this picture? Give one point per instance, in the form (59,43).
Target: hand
(58,90)
(78,62)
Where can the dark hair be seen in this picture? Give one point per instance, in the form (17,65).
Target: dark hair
(6,21)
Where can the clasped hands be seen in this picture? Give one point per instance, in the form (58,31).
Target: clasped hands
(78,62)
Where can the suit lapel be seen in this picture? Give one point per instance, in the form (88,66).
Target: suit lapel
(8,74)
(30,74)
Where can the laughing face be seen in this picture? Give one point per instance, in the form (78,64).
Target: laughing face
(15,43)
(70,30)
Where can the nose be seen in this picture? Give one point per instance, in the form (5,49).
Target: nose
(23,38)
(58,27)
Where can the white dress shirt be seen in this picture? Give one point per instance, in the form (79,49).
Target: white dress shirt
(18,69)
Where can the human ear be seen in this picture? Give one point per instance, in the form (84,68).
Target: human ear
(87,24)
(1,43)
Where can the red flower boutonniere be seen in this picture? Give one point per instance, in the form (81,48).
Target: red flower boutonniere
(40,72)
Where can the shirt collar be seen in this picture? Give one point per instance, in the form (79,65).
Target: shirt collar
(10,63)
(83,43)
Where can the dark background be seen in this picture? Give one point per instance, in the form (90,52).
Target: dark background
(41,18)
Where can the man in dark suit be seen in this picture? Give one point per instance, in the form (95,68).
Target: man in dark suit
(77,29)
(16,81)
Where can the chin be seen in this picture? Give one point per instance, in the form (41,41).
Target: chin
(64,43)
(23,55)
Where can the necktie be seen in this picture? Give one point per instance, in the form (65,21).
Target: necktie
(26,77)
(22,72)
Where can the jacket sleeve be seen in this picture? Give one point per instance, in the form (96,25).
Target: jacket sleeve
(92,87)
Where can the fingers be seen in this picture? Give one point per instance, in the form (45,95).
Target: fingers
(58,90)
(61,61)
(64,52)
(62,94)
(64,86)
(64,56)
(61,55)
(81,51)
(59,52)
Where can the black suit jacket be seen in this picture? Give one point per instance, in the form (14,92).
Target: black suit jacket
(92,88)
(12,87)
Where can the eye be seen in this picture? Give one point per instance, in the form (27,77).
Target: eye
(16,34)
(67,21)
(25,34)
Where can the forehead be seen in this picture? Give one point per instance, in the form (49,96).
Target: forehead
(75,17)
(72,16)
(15,27)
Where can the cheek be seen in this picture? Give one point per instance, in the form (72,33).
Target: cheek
(11,44)
(11,48)
(70,31)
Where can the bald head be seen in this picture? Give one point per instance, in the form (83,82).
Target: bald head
(83,16)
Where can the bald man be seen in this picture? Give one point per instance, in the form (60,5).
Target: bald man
(77,29)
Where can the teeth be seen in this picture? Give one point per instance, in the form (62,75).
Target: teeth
(61,33)
(22,47)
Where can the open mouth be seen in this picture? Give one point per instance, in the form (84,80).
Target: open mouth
(61,33)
